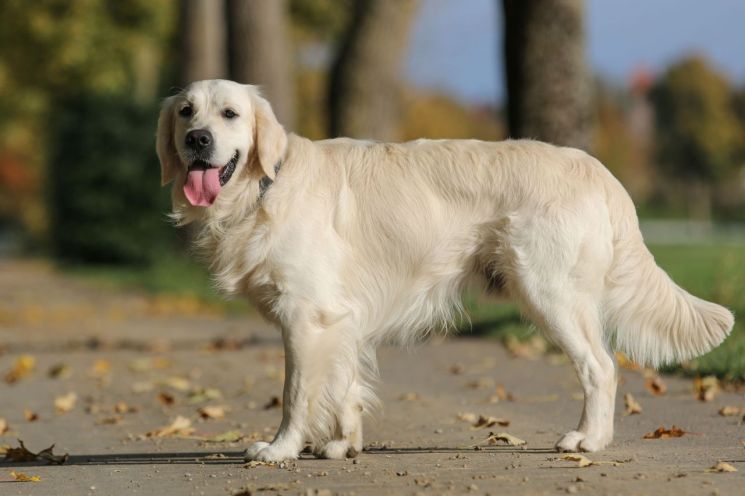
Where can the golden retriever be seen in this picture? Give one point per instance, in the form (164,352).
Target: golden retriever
(345,244)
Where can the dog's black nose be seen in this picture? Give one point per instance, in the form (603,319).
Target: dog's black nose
(199,139)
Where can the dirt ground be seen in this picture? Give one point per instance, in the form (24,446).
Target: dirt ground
(135,364)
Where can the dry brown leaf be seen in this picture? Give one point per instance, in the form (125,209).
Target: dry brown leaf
(149,363)
(22,454)
(256,463)
(274,402)
(469,417)
(730,411)
(662,433)
(582,461)
(655,385)
(481,383)
(59,371)
(212,411)
(22,367)
(21,477)
(166,399)
(181,426)
(3,426)
(485,421)
(706,388)
(457,369)
(632,406)
(113,420)
(30,415)
(722,467)
(225,437)
(505,437)
(66,402)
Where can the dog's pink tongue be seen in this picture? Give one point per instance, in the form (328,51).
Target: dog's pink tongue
(202,186)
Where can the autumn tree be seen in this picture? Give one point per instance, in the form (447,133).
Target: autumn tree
(365,81)
(697,132)
(548,83)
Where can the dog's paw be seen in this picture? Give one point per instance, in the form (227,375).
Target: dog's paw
(570,441)
(338,450)
(265,452)
(592,443)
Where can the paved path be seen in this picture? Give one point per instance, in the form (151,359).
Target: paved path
(141,353)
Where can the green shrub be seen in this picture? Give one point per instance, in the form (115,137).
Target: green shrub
(106,204)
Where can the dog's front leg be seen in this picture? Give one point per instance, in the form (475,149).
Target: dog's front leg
(290,438)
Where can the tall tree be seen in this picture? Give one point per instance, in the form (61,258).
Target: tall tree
(203,40)
(259,52)
(365,85)
(548,84)
(698,134)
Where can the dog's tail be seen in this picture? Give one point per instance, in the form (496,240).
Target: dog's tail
(653,320)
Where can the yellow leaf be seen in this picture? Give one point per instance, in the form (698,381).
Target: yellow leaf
(730,411)
(632,406)
(181,426)
(66,402)
(581,460)
(505,437)
(722,467)
(212,411)
(484,421)
(21,477)
(23,366)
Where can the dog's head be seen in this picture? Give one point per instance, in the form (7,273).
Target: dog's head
(216,135)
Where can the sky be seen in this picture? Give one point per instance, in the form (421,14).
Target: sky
(455,44)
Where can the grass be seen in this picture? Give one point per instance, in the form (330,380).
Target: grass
(712,272)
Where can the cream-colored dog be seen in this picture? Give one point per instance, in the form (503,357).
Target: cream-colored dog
(346,244)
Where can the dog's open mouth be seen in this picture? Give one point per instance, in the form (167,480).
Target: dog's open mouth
(204,181)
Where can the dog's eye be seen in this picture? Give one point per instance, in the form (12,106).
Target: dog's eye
(229,114)
(186,111)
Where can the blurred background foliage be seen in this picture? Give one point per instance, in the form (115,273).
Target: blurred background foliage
(80,82)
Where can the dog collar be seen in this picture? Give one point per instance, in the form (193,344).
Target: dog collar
(266,181)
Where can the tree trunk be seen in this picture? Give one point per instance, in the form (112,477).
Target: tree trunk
(365,84)
(202,32)
(259,52)
(548,84)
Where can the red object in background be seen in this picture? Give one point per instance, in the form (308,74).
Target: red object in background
(16,176)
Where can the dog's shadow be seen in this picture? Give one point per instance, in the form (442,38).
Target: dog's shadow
(236,457)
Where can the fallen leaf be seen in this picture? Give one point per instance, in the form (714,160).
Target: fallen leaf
(166,399)
(212,411)
(149,363)
(30,415)
(122,407)
(66,402)
(59,371)
(481,383)
(662,433)
(204,394)
(225,437)
(22,454)
(722,467)
(99,368)
(706,388)
(505,437)
(21,477)
(3,426)
(274,402)
(469,417)
(531,349)
(582,461)
(256,463)
(410,397)
(22,367)
(177,383)
(655,385)
(484,421)
(113,420)
(730,411)
(632,406)
(181,426)
(457,369)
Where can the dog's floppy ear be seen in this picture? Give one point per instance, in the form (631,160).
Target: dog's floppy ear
(169,161)
(271,139)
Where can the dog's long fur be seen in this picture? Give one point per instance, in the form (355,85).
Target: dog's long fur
(357,243)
